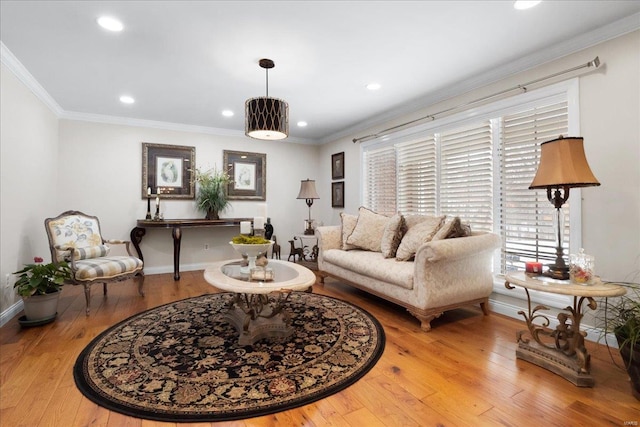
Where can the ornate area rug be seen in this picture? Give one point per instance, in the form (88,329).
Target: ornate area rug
(181,362)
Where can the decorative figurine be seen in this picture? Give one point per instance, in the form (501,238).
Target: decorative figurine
(268,229)
(275,249)
(295,251)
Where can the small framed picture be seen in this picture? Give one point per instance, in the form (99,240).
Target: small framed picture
(248,172)
(337,166)
(166,171)
(337,194)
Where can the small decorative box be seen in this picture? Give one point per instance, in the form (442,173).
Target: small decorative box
(262,274)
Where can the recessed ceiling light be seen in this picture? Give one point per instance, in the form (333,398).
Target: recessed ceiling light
(374,86)
(525,4)
(126,99)
(302,124)
(227,113)
(109,23)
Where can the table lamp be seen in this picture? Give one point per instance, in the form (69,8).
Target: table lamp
(309,193)
(563,165)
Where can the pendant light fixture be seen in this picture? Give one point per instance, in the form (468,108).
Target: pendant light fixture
(266,118)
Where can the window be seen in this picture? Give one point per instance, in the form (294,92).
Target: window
(478,165)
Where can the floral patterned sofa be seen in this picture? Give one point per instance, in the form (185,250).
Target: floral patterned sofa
(443,270)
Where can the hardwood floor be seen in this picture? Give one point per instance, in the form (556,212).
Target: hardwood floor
(462,373)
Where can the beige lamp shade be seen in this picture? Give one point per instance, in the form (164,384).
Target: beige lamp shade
(308,190)
(563,164)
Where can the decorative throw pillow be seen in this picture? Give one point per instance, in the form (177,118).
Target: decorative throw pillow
(420,230)
(452,229)
(348,224)
(89,252)
(392,235)
(369,230)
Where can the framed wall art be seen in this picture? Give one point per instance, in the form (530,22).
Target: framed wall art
(337,166)
(248,172)
(337,194)
(167,170)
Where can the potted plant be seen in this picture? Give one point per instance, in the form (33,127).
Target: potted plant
(212,192)
(39,286)
(622,318)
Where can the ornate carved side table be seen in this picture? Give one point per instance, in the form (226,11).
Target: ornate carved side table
(562,350)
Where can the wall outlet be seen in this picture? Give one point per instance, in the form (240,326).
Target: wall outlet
(206,246)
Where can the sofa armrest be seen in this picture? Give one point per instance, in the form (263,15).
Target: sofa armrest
(459,248)
(451,271)
(329,237)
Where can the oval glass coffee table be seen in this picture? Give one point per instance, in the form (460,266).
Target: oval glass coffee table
(258,309)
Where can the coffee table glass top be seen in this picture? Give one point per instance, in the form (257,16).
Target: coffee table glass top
(226,275)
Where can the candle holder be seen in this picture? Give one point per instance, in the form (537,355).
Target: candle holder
(157,217)
(148,208)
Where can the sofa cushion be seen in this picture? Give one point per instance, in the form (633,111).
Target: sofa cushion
(374,265)
(453,229)
(392,236)
(348,224)
(420,230)
(369,230)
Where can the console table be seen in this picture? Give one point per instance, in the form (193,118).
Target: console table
(562,350)
(176,226)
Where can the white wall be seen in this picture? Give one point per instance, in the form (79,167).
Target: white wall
(103,172)
(610,125)
(29,169)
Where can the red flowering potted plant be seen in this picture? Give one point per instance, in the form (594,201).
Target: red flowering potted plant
(39,285)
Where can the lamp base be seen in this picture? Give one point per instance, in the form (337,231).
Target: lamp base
(558,272)
(309,232)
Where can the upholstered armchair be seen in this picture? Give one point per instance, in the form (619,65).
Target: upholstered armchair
(75,237)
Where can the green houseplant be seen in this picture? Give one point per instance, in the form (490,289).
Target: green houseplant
(622,318)
(39,286)
(212,192)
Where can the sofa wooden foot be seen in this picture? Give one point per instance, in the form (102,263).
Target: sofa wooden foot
(425,320)
(485,307)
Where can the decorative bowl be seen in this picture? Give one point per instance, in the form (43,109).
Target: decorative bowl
(251,251)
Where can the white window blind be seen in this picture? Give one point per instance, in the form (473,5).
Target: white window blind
(466,176)
(478,165)
(417,176)
(380,180)
(527,217)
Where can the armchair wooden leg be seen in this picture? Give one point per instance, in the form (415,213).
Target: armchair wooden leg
(104,289)
(140,279)
(87,295)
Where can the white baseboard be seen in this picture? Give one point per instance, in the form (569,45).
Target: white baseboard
(9,313)
(169,269)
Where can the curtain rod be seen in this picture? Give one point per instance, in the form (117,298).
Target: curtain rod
(523,87)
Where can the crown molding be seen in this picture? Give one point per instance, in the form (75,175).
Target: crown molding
(155,124)
(9,60)
(600,35)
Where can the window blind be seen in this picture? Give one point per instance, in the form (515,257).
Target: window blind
(479,166)
(527,217)
(380,180)
(417,176)
(466,177)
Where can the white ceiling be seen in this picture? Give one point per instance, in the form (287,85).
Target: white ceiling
(186,61)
